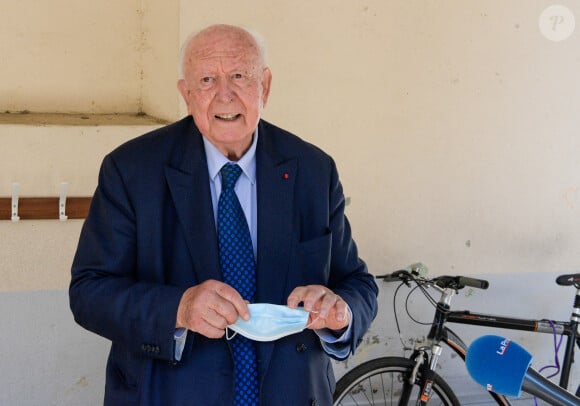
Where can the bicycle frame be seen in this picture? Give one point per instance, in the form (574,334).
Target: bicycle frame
(568,329)
(440,333)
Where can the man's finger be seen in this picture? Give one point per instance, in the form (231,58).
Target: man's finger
(310,295)
(215,319)
(225,309)
(296,296)
(328,302)
(210,331)
(232,296)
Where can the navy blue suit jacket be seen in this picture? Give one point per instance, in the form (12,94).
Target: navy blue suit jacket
(150,234)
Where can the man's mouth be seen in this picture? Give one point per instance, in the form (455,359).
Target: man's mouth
(227,117)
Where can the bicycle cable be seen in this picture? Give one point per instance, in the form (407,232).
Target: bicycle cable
(429,298)
(557,345)
(556,365)
(395,313)
(421,286)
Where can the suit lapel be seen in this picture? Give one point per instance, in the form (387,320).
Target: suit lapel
(188,182)
(276,176)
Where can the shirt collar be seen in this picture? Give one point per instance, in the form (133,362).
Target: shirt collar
(215,159)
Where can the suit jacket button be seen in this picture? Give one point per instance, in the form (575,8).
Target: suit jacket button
(301,347)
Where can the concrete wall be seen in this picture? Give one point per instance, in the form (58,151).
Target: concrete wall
(454,126)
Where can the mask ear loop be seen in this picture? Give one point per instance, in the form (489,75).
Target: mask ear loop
(228,337)
(313,321)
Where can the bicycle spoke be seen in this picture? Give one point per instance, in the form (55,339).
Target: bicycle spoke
(364,392)
(383,388)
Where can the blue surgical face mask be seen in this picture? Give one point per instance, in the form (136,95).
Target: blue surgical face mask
(270,322)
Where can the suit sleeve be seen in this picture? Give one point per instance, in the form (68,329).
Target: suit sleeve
(106,295)
(349,275)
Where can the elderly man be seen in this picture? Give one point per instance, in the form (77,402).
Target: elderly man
(159,272)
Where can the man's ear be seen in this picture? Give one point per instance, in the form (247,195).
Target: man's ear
(266,82)
(182,87)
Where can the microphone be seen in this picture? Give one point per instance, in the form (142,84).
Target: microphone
(503,366)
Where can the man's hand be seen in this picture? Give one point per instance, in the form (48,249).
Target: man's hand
(209,307)
(328,310)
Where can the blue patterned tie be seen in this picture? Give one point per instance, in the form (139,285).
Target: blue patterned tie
(239,271)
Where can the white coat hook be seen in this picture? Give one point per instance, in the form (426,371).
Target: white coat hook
(14,207)
(62,201)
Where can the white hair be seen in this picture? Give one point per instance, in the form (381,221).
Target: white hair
(258,39)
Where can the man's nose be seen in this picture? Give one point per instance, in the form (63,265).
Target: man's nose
(225,91)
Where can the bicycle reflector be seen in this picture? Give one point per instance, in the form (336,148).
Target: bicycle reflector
(498,364)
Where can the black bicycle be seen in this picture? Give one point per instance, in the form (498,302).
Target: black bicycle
(413,380)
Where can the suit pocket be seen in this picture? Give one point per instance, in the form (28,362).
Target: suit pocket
(313,260)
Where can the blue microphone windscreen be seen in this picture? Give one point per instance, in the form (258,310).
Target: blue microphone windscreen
(498,364)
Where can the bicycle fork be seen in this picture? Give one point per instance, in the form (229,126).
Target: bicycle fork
(422,362)
(427,369)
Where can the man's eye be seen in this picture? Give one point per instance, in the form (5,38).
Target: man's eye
(237,76)
(206,79)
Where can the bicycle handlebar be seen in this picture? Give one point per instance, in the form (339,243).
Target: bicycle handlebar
(568,280)
(397,276)
(459,282)
(473,282)
(453,282)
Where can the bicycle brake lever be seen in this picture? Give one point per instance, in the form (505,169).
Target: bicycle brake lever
(405,277)
(401,275)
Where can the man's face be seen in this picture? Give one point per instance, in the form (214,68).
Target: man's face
(225,87)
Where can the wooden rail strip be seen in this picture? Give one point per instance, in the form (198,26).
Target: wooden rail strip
(44,208)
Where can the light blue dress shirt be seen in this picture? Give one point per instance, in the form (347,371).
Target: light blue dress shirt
(246,191)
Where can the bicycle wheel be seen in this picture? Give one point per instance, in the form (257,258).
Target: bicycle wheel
(383,381)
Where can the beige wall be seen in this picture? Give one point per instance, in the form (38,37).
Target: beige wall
(160,26)
(36,255)
(454,124)
(70,56)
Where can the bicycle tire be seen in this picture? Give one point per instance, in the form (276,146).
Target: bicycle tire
(380,382)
